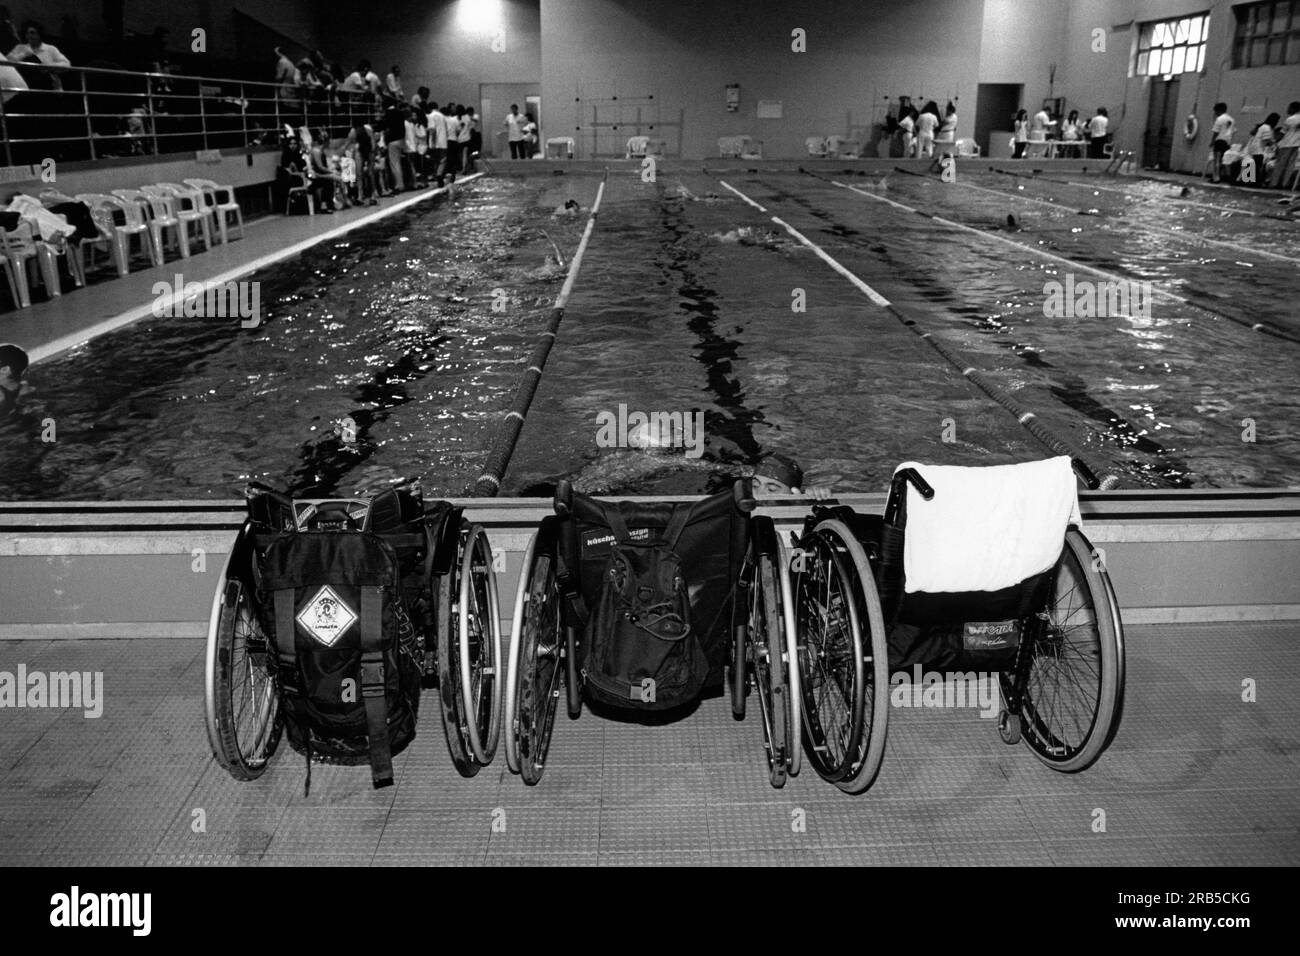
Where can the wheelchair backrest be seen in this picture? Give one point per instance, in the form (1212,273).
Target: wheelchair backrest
(711,548)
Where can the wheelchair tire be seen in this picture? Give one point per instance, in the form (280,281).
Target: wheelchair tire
(446,588)
(860,753)
(242,741)
(478,647)
(766,651)
(1074,690)
(572,679)
(535,667)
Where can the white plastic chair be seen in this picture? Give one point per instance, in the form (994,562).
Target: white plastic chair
(23,251)
(816,146)
(731,147)
(189,206)
(636,147)
(563,147)
(133,225)
(303,190)
(221,199)
(967,147)
(841,147)
(157,214)
(752,149)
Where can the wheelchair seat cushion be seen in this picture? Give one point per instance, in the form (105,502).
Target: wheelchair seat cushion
(987,528)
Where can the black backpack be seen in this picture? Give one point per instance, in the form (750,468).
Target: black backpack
(349,657)
(639,648)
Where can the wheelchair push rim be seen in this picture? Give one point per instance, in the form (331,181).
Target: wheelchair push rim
(1074,685)
(478,646)
(233,682)
(767,655)
(530,716)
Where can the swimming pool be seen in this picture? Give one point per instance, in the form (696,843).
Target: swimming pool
(415,330)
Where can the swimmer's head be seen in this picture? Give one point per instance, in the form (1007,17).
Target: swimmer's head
(13,363)
(778,474)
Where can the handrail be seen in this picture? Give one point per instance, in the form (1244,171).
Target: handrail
(98,111)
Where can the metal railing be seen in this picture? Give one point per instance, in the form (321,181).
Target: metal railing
(86,113)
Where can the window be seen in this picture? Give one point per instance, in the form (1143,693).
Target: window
(1174,46)
(1268,34)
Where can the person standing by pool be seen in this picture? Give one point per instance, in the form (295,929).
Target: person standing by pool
(464,130)
(1098,134)
(926,124)
(947,133)
(1287,134)
(1221,137)
(907,124)
(1261,148)
(1020,123)
(530,136)
(437,142)
(395,137)
(475,139)
(1071,136)
(514,125)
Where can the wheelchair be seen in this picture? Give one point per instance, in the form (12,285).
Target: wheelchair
(448,592)
(739,596)
(1061,684)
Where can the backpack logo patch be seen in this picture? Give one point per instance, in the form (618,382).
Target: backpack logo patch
(326,617)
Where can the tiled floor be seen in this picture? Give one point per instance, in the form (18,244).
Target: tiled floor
(1195,776)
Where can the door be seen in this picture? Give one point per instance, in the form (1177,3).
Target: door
(995,105)
(1162,121)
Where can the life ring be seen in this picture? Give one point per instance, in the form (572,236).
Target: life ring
(1191,127)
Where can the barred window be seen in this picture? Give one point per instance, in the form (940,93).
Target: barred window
(1268,34)
(1173,46)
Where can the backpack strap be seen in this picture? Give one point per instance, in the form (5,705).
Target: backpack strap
(372,686)
(566,576)
(676,525)
(286,641)
(614,518)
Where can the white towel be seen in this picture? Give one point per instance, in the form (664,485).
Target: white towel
(987,528)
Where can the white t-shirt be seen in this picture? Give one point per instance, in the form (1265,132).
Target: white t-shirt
(947,129)
(907,125)
(1289,129)
(1098,126)
(11,82)
(1070,132)
(1224,127)
(1022,131)
(1041,121)
(354,83)
(437,130)
(514,123)
(926,124)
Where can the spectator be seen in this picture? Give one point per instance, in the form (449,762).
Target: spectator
(1287,135)
(926,124)
(1020,123)
(1261,147)
(364,137)
(393,84)
(324,179)
(1220,137)
(420,98)
(907,125)
(13,363)
(395,137)
(437,142)
(1098,134)
(530,136)
(1072,136)
(417,142)
(464,131)
(475,139)
(37,50)
(948,126)
(514,132)
(349,168)
(11,81)
(286,80)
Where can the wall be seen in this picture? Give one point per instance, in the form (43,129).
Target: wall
(1019,44)
(435,47)
(858,53)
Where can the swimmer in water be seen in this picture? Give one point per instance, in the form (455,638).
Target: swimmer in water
(569,210)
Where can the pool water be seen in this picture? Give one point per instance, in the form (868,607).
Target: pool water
(413,332)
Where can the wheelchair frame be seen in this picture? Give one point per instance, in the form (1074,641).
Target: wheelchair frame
(871,571)
(545,639)
(463,651)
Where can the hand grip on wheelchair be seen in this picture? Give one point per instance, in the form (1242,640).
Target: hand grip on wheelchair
(913,477)
(1085,474)
(564,497)
(743,493)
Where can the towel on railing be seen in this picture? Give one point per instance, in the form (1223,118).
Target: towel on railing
(987,528)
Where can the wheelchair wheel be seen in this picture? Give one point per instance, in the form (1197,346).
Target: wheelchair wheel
(478,647)
(446,656)
(534,676)
(242,701)
(767,657)
(1074,683)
